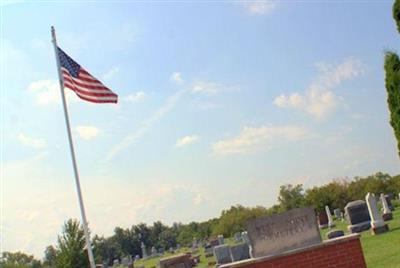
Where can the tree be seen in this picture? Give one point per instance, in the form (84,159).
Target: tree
(50,255)
(291,197)
(235,219)
(392,81)
(71,246)
(18,260)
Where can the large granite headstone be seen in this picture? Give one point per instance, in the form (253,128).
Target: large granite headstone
(357,216)
(177,261)
(222,254)
(323,220)
(278,233)
(240,252)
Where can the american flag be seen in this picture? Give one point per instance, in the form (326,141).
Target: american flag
(83,83)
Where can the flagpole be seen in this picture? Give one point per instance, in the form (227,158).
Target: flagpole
(71,147)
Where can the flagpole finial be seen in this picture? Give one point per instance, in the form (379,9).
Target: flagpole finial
(53,33)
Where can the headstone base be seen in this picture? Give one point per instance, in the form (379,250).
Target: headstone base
(323,226)
(380,229)
(334,234)
(387,216)
(359,227)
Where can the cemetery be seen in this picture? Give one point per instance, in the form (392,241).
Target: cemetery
(234,134)
(298,238)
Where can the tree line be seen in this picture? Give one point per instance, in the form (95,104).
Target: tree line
(69,251)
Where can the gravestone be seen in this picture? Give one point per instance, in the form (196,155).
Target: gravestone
(378,226)
(238,237)
(278,233)
(144,253)
(137,257)
(338,213)
(195,244)
(240,252)
(127,262)
(177,261)
(245,237)
(334,233)
(323,220)
(221,239)
(387,213)
(357,216)
(208,250)
(116,262)
(329,215)
(214,243)
(222,254)
(389,198)
(153,251)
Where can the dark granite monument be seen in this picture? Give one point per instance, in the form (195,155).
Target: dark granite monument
(222,254)
(357,216)
(323,220)
(240,252)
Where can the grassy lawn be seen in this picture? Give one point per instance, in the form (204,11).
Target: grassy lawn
(379,250)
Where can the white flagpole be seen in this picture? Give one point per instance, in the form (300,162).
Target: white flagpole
(71,147)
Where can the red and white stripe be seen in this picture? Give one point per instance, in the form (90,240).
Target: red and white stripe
(88,88)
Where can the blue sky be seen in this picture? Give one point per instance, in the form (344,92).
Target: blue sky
(220,103)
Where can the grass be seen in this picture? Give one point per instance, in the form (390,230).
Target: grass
(380,251)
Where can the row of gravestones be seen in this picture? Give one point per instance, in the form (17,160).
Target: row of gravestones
(230,253)
(359,213)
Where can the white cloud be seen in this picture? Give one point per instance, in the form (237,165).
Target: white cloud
(111,73)
(87,132)
(48,92)
(177,78)
(255,138)
(319,100)
(187,140)
(260,7)
(199,199)
(211,88)
(31,142)
(135,97)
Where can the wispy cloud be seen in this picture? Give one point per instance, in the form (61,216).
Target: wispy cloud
(87,132)
(211,88)
(146,125)
(260,7)
(177,78)
(187,140)
(31,142)
(319,100)
(48,92)
(136,97)
(252,139)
